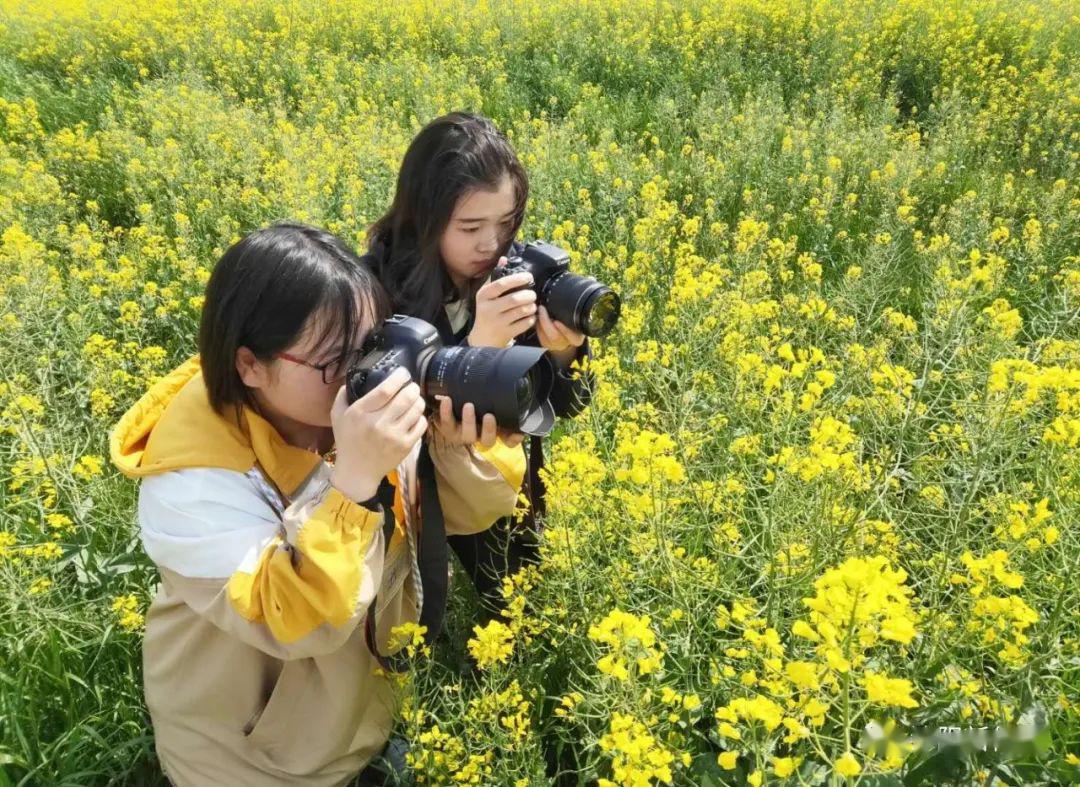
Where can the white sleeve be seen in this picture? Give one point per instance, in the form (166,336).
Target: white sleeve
(221,509)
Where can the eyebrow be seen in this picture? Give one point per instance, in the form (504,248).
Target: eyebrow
(509,215)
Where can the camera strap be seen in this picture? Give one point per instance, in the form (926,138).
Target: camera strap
(432,560)
(537,490)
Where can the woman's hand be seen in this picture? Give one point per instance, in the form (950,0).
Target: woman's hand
(464,432)
(502,315)
(562,342)
(375,433)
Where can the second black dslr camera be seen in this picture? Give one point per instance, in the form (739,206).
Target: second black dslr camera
(512,383)
(578,302)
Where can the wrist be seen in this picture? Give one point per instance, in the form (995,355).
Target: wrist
(355,487)
(565,356)
(475,339)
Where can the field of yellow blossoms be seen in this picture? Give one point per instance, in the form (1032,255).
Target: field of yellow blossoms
(825,502)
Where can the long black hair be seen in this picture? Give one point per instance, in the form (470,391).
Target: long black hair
(262,293)
(451,156)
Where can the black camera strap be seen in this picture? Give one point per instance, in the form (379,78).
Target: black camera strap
(432,560)
(537,492)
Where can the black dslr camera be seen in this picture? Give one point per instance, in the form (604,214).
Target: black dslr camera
(512,383)
(579,302)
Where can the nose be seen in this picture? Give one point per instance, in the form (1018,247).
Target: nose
(489,242)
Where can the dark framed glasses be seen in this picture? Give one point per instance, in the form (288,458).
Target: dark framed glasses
(332,371)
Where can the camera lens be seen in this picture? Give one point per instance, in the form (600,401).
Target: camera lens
(601,312)
(512,383)
(582,303)
(524,395)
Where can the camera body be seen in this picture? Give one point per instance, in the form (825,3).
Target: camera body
(512,383)
(399,341)
(579,302)
(544,261)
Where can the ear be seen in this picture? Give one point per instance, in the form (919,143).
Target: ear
(252,371)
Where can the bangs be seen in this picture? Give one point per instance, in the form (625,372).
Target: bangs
(345,307)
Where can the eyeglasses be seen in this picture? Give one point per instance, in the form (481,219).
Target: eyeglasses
(332,371)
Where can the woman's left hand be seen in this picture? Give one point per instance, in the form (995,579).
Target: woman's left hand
(556,338)
(465,432)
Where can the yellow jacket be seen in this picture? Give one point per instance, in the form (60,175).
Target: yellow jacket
(256,670)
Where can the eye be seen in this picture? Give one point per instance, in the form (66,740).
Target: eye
(470,230)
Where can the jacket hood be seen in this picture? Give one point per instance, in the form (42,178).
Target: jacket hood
(173,427)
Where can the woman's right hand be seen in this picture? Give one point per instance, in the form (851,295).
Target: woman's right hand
(375,433)
(502,315)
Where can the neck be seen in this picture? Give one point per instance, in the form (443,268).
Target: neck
(317,439)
